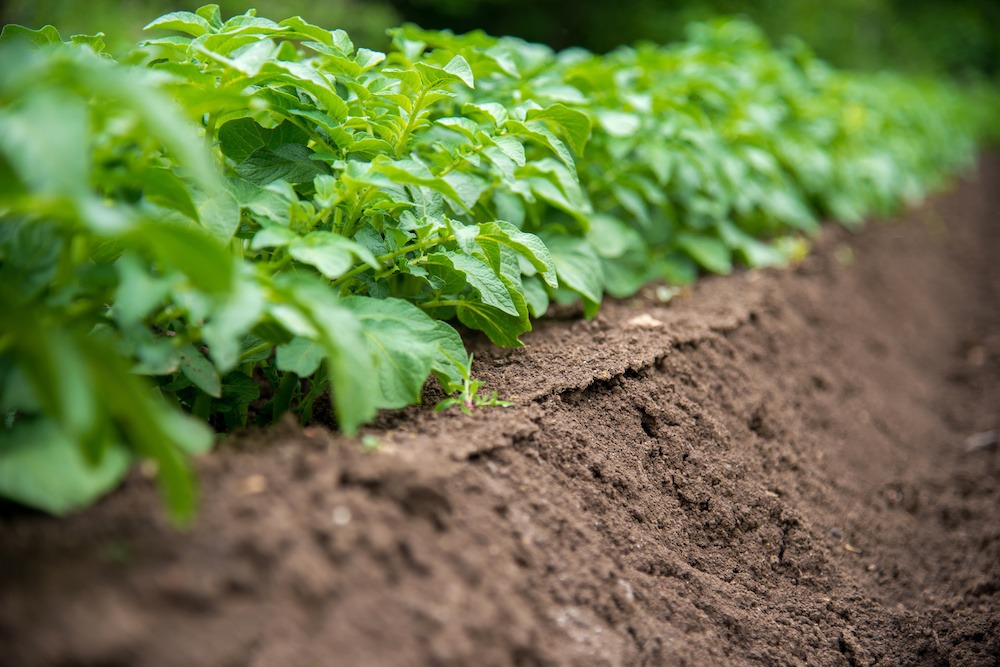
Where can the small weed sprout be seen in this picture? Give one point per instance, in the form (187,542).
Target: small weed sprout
(469,396)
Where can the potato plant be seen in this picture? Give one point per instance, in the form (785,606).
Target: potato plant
(245,217)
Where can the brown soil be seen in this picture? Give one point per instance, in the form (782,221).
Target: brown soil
(773,470)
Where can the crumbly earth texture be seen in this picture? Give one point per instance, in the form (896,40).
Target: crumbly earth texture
(781,467)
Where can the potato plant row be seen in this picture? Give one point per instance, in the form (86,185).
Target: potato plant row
(241,218)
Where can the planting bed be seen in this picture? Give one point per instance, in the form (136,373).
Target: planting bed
(781,467)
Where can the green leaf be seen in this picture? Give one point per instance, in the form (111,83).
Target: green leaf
(554,183)
(403,342)
(609,236)
(272,202)
(43,468)
(300,356)
(535,296)
(339,332)
(218,213)
(579,269)
(315,83)
(187,434)
(755,253)
(186,22)
(239,313)
(574,123)
(59,165)
(618,123)
(710,252)
(479,276)
(42,37)
(456,71)
(462,125)
(200,371)
(239,390)
(238,139)
(290,162)
(139,291)
(527,245)
(496,112)
(207,263)
(273,236)
(164,188)
(409,172)
(501,328)
(450,353)
(331,253)
(539,133)
(211,14)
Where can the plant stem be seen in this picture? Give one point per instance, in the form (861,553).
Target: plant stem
(411,122)
(202,406)
(283,396)
(442,303)
(390,256)
(257,349)
(210,130)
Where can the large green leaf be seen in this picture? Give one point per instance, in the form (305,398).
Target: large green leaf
(331,253)
(709,251)
(579,269)
(501,328)
(200,371)
(456,71)
(240,138)
(527,245)
(479,276)
(288,162)
(208,264)
(574,123)
(397,335)
(187,22)
(42,467)
(341,335)
(300,356)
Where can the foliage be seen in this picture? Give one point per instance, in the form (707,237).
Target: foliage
(245,217)
(122,20)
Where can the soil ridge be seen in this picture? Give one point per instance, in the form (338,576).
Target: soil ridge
(778,468)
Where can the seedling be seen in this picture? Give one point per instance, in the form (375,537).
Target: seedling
(469,396)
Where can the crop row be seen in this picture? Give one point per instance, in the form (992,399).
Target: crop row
(246,217)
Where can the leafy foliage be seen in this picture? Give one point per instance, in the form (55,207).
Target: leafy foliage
(246,216)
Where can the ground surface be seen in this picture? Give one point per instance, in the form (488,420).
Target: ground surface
(773,470)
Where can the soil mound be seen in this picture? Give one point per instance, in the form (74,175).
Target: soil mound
(779,468)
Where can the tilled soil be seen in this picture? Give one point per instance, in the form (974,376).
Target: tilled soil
(779,468)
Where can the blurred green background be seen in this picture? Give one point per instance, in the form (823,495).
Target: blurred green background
(958,37)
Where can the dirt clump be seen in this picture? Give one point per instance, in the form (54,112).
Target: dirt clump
(782,468)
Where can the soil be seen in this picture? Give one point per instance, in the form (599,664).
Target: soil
(779,468)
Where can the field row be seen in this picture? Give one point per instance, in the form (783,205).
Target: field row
(247,217)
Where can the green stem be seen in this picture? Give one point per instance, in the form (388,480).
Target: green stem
(459,160)
(391,256)
(168,314)
(411,122)
(312,135)
(210,130)
(283,396)
(442,303)
(256,350)
(202,406)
